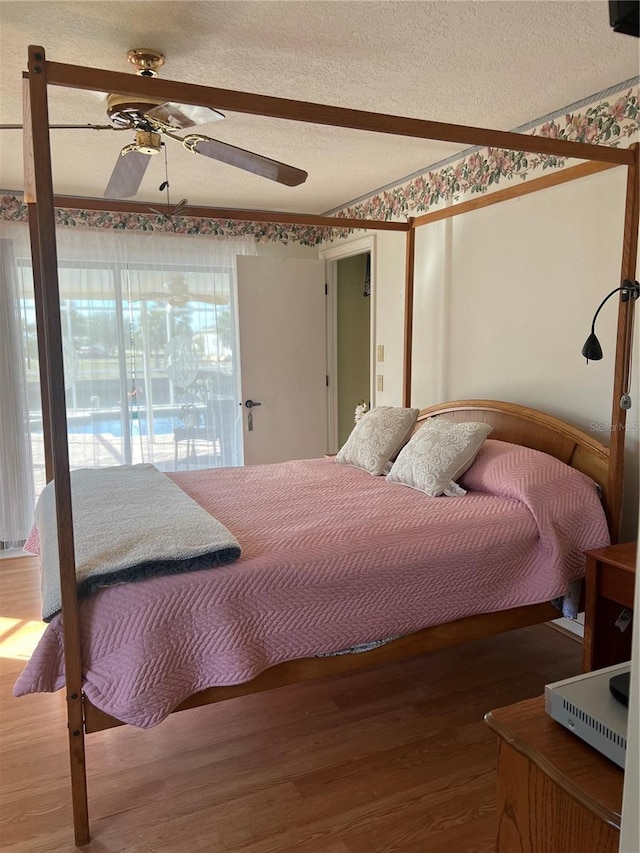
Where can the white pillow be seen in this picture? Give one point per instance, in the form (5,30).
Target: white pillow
(439,453)
(377,438)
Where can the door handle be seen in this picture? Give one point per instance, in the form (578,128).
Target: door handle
(251,403)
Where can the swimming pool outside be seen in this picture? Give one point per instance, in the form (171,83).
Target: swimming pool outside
(105,446)
(138,426)
(110,423)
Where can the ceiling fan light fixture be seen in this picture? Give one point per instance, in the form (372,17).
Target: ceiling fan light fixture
(148,142)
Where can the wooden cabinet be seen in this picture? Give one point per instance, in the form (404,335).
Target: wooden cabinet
(555,794)
(610,581)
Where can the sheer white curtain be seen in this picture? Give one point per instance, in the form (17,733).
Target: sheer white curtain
(151,362)
(16,483)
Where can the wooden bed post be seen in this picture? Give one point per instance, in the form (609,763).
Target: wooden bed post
(408,310)
(48,295)
(624,345)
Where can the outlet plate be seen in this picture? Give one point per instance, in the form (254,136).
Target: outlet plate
(380,382)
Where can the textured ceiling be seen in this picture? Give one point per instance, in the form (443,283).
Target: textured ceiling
(492,64)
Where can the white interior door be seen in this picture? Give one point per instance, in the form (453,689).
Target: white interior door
(283,362)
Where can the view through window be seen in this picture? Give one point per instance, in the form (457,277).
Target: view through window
(150,366)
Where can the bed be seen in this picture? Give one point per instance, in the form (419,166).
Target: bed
(332,558)
(513,424)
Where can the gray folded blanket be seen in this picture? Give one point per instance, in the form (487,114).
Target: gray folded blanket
(130,522)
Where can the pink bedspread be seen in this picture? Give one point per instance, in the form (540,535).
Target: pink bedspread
(331,557)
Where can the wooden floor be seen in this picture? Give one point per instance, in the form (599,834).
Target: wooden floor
(391,760)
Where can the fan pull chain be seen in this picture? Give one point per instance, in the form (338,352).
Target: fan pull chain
(165,184)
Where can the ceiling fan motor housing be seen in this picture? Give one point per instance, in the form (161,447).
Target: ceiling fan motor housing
(127,110)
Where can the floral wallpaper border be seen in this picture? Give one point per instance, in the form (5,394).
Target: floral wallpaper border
(13,209)
(605,122)
(608,122)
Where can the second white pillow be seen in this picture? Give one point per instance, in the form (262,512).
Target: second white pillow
(439,452)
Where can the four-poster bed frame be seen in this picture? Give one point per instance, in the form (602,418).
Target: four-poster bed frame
(511,422)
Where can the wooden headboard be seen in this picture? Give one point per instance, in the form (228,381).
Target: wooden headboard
(531,428)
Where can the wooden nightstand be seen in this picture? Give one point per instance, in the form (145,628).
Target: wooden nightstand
(555,794)
(610,582)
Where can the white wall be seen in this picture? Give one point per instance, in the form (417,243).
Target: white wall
(504,300)
(432,325)
(272,249)
(389,282)
(507,294)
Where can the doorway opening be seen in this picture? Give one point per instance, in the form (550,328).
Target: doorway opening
(353,332)
(351,313)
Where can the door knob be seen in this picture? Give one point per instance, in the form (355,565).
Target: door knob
(251,403)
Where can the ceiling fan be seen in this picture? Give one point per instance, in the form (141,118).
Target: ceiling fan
(176,293)
(176,210)
(153,119)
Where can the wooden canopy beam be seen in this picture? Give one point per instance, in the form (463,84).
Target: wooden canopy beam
(562,176)
(78,77)
(230,213)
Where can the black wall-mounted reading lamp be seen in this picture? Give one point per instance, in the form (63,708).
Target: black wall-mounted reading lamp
(592,350)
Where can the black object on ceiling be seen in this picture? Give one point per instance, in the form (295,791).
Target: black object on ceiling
(624,16)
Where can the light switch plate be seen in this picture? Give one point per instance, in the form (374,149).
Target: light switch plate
(380,382)
(380,352)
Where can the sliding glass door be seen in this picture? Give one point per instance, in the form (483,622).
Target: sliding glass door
(150,365)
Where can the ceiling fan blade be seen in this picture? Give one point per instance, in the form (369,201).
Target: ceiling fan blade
(247,160)
(179,299)
(210,300)
(180,206)
(128,173)
(151,296)
(181,116)
(68,127)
